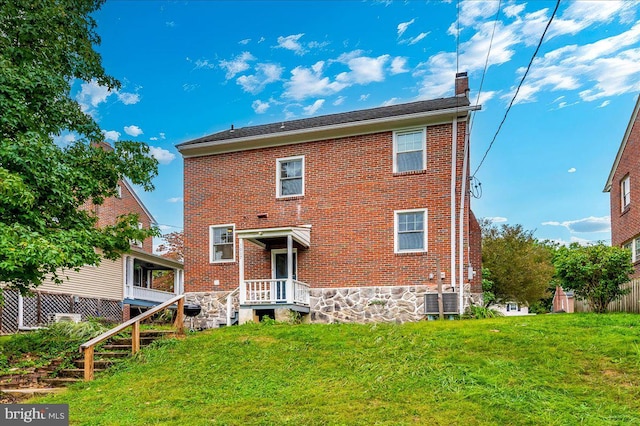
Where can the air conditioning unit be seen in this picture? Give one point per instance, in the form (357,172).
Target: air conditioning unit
(58,317)
(449,303)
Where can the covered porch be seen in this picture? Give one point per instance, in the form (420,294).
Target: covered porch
(151,279)
(282,290)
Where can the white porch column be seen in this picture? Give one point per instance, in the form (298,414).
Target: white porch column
(20,312)
(176,281)
(289,268)
(243,290)
(129,277)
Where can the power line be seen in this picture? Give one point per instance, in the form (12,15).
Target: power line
(518,89)
(486,62)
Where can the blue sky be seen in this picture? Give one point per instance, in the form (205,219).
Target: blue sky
(193,68)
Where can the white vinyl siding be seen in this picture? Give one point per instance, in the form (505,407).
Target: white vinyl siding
(409,150)
(222,243)
(410,228)
(625,192)
(290,177)
(101,282)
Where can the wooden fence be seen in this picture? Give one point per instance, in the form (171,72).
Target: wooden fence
(627,303)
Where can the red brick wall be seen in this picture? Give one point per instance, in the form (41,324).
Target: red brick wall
(475,239)
(625,225)
(350,197)
(113,207)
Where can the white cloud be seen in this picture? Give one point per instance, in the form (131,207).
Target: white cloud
(111,135)
(413,40)
(237,65)
(586,225)
(473,11)
(175,200)
(203,63)
(245,41)
(91,95)
(364,97)
(128,98)
(363,69)
(309,82)
(162,155)
(513,10)
(402,27)
(162,135)
(571,170)
(604,104)
(265,74)
(496,219)
(389,102)
(398,65)
(486,96)
(339,100)
(260,107)
(189,87)
(133,130)
(291,43)
(312,109)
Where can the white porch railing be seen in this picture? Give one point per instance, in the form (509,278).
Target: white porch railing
(274,291)
(149,294)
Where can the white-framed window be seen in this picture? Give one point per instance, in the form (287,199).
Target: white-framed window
(625,192)
(410,227)
(634,247)
(512,307)
(118,191)
(222,243)
(290,176)
(138,243)
(409,150)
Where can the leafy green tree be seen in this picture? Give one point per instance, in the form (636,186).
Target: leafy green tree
(595,272)
(487,288)
(520,265)
(46,190)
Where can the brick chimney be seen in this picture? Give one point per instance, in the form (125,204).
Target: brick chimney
(462,84)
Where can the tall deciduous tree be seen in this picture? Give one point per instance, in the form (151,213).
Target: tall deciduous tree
(595,272)
(46,45)
(520,266)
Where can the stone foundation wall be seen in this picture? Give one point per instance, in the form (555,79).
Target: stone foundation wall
(214,308)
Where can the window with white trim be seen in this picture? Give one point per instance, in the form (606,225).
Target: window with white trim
(634,247)
(138,243)
(290,176)
(410,231)
(409,150)
(625,192)
(222,243)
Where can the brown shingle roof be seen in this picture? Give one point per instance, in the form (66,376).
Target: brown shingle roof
(334,119)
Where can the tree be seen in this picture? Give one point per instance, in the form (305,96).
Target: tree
(520,266)
(595,272)
(174,246)
(45,188)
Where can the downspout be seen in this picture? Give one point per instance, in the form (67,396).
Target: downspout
(463,193)
(454,155)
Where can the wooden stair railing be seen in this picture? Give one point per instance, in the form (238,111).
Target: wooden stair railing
(88,347)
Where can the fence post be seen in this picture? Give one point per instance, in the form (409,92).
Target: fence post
(179,322)
(135,338)
(88,364)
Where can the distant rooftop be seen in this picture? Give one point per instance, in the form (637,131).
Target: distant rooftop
(333,119)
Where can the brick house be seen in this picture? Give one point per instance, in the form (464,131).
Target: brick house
(112,290)
(623,185)
(344,217)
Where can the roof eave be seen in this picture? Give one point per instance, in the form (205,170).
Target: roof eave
(623,144)
(320,133)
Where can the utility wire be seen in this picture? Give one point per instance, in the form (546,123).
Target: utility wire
(486,62)
(518,89)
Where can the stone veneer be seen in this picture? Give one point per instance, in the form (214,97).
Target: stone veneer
(397,304)
(214,308)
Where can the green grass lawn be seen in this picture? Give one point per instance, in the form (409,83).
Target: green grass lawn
(538,370)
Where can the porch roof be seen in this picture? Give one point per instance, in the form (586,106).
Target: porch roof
(300,234)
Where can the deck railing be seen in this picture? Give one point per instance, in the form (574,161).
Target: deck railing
(89,347)
(274,291)
(143,293)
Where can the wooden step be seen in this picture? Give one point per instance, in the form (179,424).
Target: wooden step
(77,373)
(60,381)
(144,341)
(109,355)
(117,347)
(97,364)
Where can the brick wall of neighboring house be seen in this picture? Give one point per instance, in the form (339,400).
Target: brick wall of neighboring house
(350,195)
(113,207)
(625,223)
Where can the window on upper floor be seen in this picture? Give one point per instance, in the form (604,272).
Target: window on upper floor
(138,243)
(411,231)
(409,150)
(625,192)
(223,247)
(118,191)
(290,177)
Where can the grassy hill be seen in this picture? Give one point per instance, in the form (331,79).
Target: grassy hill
(539,370)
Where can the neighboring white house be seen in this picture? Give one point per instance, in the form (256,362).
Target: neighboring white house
(511,309)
